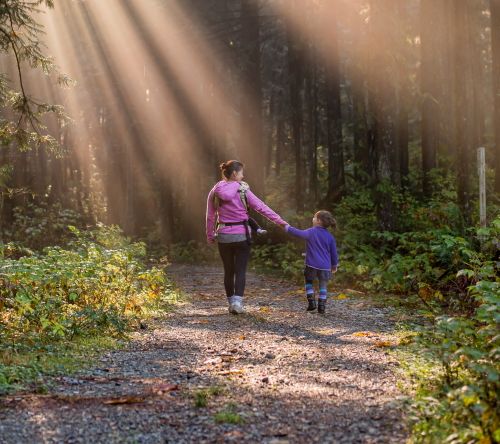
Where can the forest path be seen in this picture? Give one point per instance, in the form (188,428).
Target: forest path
(280,374)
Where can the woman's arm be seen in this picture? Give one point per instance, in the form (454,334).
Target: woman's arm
(210,216)
(303,234)
(256,204)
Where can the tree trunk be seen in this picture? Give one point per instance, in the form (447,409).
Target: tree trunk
(295,62)
(495,37)
(430,87)
(382,102)
(460,30)
(251,106)
(336,175)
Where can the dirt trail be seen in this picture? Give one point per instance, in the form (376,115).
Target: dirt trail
(284,375)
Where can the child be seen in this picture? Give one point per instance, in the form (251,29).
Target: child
(321,256)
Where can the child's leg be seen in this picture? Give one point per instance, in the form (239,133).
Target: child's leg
(311,300)
(323,292)
(323,289)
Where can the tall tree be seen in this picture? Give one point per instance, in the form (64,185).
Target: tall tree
(336,175)
(296,81)
(251,105)
(462,113)
(430,87)
(495,40)
(382,101)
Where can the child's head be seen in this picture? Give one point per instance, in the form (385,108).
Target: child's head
(324,219)
(232,170)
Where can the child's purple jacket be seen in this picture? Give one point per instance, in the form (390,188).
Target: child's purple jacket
(231,209)
(321,248)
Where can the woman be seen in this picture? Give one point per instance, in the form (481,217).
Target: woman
(227,222)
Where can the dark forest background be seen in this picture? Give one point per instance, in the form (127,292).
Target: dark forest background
(319,99)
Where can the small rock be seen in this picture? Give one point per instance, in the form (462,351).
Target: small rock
(265,379)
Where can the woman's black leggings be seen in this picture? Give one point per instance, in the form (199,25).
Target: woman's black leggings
(235,259)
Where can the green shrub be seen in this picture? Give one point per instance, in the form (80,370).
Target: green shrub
(39,225)
(462,405)
(99,285)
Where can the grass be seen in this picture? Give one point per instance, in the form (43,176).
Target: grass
(229,415)
(23,367)
(201,397)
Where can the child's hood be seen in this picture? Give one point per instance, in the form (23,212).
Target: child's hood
(227,190)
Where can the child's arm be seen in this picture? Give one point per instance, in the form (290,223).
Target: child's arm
(333,254)
(210,217)
(303,234)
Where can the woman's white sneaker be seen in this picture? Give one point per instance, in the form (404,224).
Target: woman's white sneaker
(236,305)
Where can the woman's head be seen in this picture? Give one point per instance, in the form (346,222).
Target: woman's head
(232,170)
(325,219)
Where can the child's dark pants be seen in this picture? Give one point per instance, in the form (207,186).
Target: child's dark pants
(235,257)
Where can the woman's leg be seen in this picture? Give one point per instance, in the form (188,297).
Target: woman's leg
(242,254)
(227,254)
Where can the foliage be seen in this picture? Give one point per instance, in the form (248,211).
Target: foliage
(193,252)
(100,285)
(40,225)
(20,36)
(459,402)
(285,257)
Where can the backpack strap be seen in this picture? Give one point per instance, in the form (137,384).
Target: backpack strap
(242,191)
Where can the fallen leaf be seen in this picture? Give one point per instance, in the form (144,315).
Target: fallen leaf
(124,400)
(364,333)
(341,296)
(384,344)
(165,388)
(213,361)
(232,371)
(264,309)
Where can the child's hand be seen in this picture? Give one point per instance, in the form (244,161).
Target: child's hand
(283,226)
(334,269)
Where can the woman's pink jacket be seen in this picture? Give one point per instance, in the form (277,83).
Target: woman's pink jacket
(231,209)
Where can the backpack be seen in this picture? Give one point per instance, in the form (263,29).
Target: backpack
(242,191)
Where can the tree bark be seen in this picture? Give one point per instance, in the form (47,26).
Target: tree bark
(251,106)
(495,38)
(336,175)
(430,87)
(462,129)
(296,74)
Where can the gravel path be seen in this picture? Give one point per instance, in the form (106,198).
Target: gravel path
(282,375)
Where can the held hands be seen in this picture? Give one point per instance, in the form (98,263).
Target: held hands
(334,269)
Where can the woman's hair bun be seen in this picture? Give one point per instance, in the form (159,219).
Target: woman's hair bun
(229,167)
